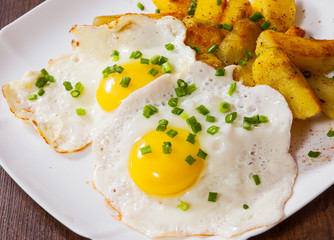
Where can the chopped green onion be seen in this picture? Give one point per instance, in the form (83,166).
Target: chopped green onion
(190,160)
(220,72)
(140,6)
(313,154)
(249,54)
(219,2)
(173,102)
(180,91)
(177,111)
(49,78)
(232,88)
(181,83)
(202,110)
(149,110)
(197,50)
(80,111)
(231,117)
(256,17)
(202,154)
(265,25)
(310,37)
(194,124)
(75,93)
(169,46)
(145,150)
(220,25)
(136,55)
(213,48)
(330,133)
(210,119)
(41,81)
(191,88)
(166,68)
(40,92)
(167,148)
(154,60)
(307,74)
(245,206)
(193,4)
(157,10)
(252,120)
(172,133)
(32,97)
(242,62)
(119,69)
(191,138)
(125,82)
(68,86)
(191,11)
(79,86)
(227,27)
(162,60)
(256,179)
(224,107)
(212,196)
(153,72)
(263,119)
(44,72)
(247,126)
(144,61)
(115,55)
(162,125)
(213,130)
(108,70)
(184,115)
(183,206)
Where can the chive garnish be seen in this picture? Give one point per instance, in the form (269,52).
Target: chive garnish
(80,111)
(224,107)
(115,55)
(167,148)
(162,60)
(202,154)
(190,160)
(181,83)
(140,6)
(245,206)
(191,88)
(177,111)
(32,97)
(191,11)
(210,119)
(194,124)
(213,48)
(196,49)
(220,72)
(313,154)
(75,93)
(144,61)
(330,133)
(119,69)
(219,2)
(212,196)
(256,179)
(202,110)
(193,4)
(145,150)
(180,91)
(183,206)
(231,117)
(154,60)
(184,115)
(166,68)
(157,10)
(249,54)
(41,81)
(40,92)
(79,86)
(169,46)
(256,17)
(191,138)
(109,70)
(227,27)
(172,133)
(153,72)
(68,86)
(213,129)
(265,25)
(242,62)
(162,125)
(135,55)
(149,110)
(125,82)
(173,102)
(232,88)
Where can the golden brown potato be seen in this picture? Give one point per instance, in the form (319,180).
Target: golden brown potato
(201,34)
(280,13)
(209,10)
(323,88)
(241,38)
(173,5)
(296,31)
(100,20)
(234,11)
(274,68)
(316,56)
(245,74)
(209,59)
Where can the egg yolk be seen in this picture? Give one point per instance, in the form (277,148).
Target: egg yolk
(163,174)
(110,93)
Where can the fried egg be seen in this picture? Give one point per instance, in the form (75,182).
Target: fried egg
(76,94)
(213,162)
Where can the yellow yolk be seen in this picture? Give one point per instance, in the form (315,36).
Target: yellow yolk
(165,174)
(110,94)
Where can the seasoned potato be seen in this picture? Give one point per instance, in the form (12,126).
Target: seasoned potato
(209,59)
(241,38)
(316,56)
(245,74)
(296,31)
(323,88)
(201,34)
(274,68)
(234,11)
(100,20)
(281,14)
(173,5)
(209,10)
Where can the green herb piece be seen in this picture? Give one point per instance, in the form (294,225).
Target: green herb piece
(202,110)
(213,48)
(231,117)
(173,102)
(210,119)
(136,55)
(79,86)
(177,111)
(265,25)
(154,60)
(180,91)
(166,68)
(144,61)
(227,27)
(169,46)
(330,133)
(80,111)
(245,206)
(256,179)
(249,54)
(41,81)
(162,60)
(256,17)
(224,107)
(220,72)
(140,6)
(32,97)
(167,148)
(191,138)
(145,150)
(125,82)
(191,88)
(68,86)
(149,110)
(313,154)
(219,2)
(115,55)
(194,124)
(202,154)
(191,11)
(213,130)
(181,83)
(40,92)
(184,115)
(162,125)
(242,62)
(212,196)
(153,72)
(157,10)
(119,69)
(183,206)
(172,133)
(190,160)
(75,93)
(197,50)
(193,4)
(232,88)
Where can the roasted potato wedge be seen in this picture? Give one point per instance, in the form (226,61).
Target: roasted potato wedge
(323,88)
(241,38)
(100,20)
(280,13)
(316,56)
(173,5)
(201,34)
(209,10)
(234,11)
(245,74)
(296,31)
(209,59)
(274,68)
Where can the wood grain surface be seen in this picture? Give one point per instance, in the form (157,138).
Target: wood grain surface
(22,218)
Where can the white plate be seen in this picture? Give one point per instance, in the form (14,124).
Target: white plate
(58,182)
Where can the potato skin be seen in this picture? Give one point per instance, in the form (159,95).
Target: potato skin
(210,59)
(274,68)
(173,5)
(209,10)
(296,31)
(245,74)
(280,13)
(323,88)
(241,38)
(316,56)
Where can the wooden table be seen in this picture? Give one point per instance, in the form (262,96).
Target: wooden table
(22,218)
